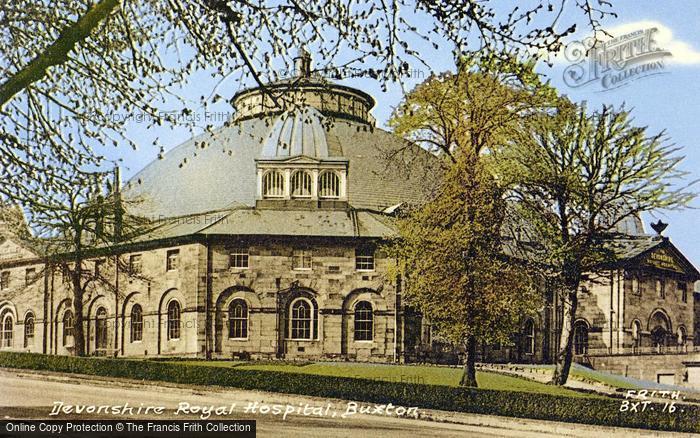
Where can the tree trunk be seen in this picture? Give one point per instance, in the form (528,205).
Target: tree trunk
(564,353)
(78,326)
(469,374)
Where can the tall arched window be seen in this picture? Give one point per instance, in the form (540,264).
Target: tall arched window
(364,320)
(174,320)
(67,327)
(529,337)
(580,338)
(273,184)
(8,324)
(328,185)
(302,320)
(101,330)
(660,288)
(238,319)
(136,323)
(681,336)
(301,184)
(28,329)
(637,333)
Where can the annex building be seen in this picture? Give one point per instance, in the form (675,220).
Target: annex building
(268,246)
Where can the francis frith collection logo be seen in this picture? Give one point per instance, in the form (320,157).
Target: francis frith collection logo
(615,62)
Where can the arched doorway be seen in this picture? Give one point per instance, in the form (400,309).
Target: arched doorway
(660,329)
(658,337)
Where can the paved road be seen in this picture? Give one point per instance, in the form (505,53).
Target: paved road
(32,395)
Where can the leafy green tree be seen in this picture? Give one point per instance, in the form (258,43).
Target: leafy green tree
(480,106)
(450,252)
(573,177)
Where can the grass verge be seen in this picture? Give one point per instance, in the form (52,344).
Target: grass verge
(587,410)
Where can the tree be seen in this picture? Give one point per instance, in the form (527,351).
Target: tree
(80,227)
(574,177)
(450,252)
(481,106)
(77,72)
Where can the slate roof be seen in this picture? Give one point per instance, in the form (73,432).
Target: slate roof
(629,247)
(248,221)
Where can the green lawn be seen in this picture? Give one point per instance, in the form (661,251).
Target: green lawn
(417,374)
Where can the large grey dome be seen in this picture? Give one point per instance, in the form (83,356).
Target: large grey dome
(218,170)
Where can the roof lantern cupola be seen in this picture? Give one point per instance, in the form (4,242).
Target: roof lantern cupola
(304,88)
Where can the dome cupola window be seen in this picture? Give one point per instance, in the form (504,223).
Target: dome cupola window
(301,162)
(301,184)
(329,185)
(273,184)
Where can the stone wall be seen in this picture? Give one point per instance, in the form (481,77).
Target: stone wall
(334,286)
(653,367)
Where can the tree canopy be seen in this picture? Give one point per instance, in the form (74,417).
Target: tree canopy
(457,273)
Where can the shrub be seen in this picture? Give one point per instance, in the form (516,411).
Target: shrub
(598,411)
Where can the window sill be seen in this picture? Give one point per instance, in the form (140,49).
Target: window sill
(237,339)
(302,340)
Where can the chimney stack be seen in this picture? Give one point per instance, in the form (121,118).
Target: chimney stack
(302,64)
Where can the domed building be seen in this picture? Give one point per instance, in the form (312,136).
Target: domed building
(267,244)
(266,241)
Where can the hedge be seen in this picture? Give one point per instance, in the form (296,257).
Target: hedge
(589,410)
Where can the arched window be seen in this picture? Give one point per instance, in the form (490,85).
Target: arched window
(328,185)
(67,327)
(28,329)
(364,319)
(302,320)
(660,288)
(635,285)
(238,319)
(637,333)
(529,337)
(174,320)
(681,336)
(101,330)
(273,184)
(580,338)
(301,184)
(136,323)
(7,330)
